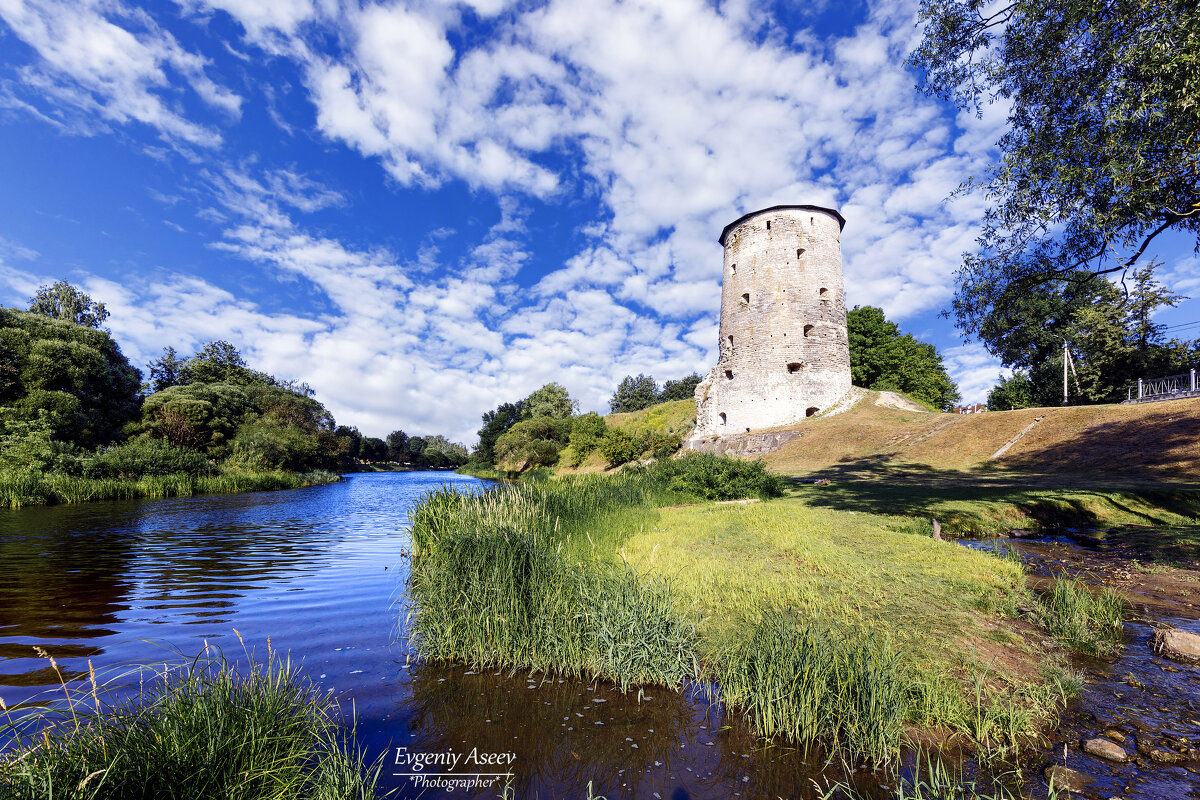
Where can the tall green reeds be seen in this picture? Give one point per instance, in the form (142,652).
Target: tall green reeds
(202,732)
(497,582)
(800,680)
(20,488)
(1087,621)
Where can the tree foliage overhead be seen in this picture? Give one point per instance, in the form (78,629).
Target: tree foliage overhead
(63,301)
(552,400)
(1101,154)
(883,358)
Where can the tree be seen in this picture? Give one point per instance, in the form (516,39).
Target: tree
(219,361)
(883,358)
(398,446)
(1015,391)
(1112,337)
(164,370)
(586,432)
(373,449)
(552,400)
(1100,156)
(682,389)
(495,423)
(533,442)
(63,301)
(76,373)
(634,394)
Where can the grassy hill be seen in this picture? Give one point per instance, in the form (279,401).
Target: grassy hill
(1109,443)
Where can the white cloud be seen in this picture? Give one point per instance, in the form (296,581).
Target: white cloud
(974,370)
(111,63)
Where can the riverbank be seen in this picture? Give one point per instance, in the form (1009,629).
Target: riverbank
(29,488)
(899,635)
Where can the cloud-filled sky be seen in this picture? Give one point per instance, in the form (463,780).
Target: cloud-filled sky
(427,208)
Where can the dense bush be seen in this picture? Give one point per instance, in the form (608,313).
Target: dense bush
(75,373)
(618,447)
(145,456)
(534,442)
(719,477)
(586,433)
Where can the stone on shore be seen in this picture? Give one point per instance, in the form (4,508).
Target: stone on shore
(1103,748)
(1176,645)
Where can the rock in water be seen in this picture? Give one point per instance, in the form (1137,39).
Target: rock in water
(1103,748)
(1065,778)
(1176,645)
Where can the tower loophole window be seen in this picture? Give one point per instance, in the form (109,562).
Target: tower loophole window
(799,252)
(746,298)
(733,269)
(728,374)
(731,342)
(808,330)
(768,224)
(795,367)
(722,417)
(824,293)
(810,411)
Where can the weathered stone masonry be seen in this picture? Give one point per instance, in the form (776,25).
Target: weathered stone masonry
(784,351)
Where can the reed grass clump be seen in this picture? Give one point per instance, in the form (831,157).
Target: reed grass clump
(203,732)
(20,488)
(809,684)
(1087,621)
(497,583)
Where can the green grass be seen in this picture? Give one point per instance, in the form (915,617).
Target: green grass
(823,626)
(934,780)
(1086,621)
(26,488)
(205,731)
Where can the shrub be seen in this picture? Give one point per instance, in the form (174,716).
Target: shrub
(586,432)
(145,456)
(532,443)
(721,478)
(618,447)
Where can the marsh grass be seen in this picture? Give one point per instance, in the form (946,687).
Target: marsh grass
(933,779)
(20,488)
(1087,621)
(812,685)
(203,731)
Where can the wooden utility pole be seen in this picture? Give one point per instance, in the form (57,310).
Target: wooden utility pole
(1066,355)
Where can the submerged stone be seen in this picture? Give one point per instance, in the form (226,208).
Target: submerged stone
(1066,778)
(1103,748)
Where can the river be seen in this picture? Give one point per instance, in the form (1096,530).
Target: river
(320,573)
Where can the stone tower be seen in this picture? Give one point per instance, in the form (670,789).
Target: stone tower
(784,351)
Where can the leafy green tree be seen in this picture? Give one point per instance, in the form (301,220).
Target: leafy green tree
(26,439)
(352,439)
(373,449)
(682,389)
(164,370)
(495,423)
(883,358)
(1100,153)
(552,400)
(219,361)
(77,374)
(634,394)
(1015,391)
(63,301)
(398,447)
(533,442)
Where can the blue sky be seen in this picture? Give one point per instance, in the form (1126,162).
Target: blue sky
(427,208)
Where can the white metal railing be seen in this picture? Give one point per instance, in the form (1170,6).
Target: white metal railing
(1161,387)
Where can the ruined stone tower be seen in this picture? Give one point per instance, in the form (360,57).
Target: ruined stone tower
(784,352)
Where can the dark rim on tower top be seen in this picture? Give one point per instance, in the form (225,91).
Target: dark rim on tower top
(725,232)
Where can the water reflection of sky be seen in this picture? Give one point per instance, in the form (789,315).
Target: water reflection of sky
(320,573)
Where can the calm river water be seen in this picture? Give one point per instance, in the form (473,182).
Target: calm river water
(321,573)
